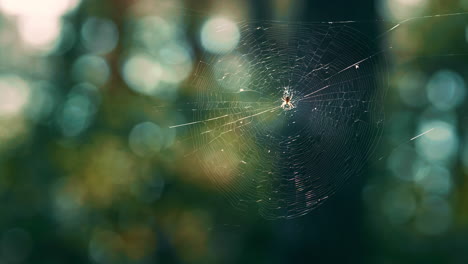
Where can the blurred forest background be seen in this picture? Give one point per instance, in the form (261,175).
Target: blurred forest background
(90,173)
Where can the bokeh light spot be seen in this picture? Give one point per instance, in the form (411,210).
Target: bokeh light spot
(146,139)
(440,144)
(15,95)
(41,8)
(78,111)
(446,90)
(100,36)
(92,69)
(219,35)
(176,62)
(40,33)
(401,9)
(142,74)
(435,180)
(152,32)
(44,96)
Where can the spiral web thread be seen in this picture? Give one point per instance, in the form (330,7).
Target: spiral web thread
(286,162)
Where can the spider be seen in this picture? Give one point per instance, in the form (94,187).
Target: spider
(287,105)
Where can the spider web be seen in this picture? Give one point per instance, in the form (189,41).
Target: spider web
(286,162)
